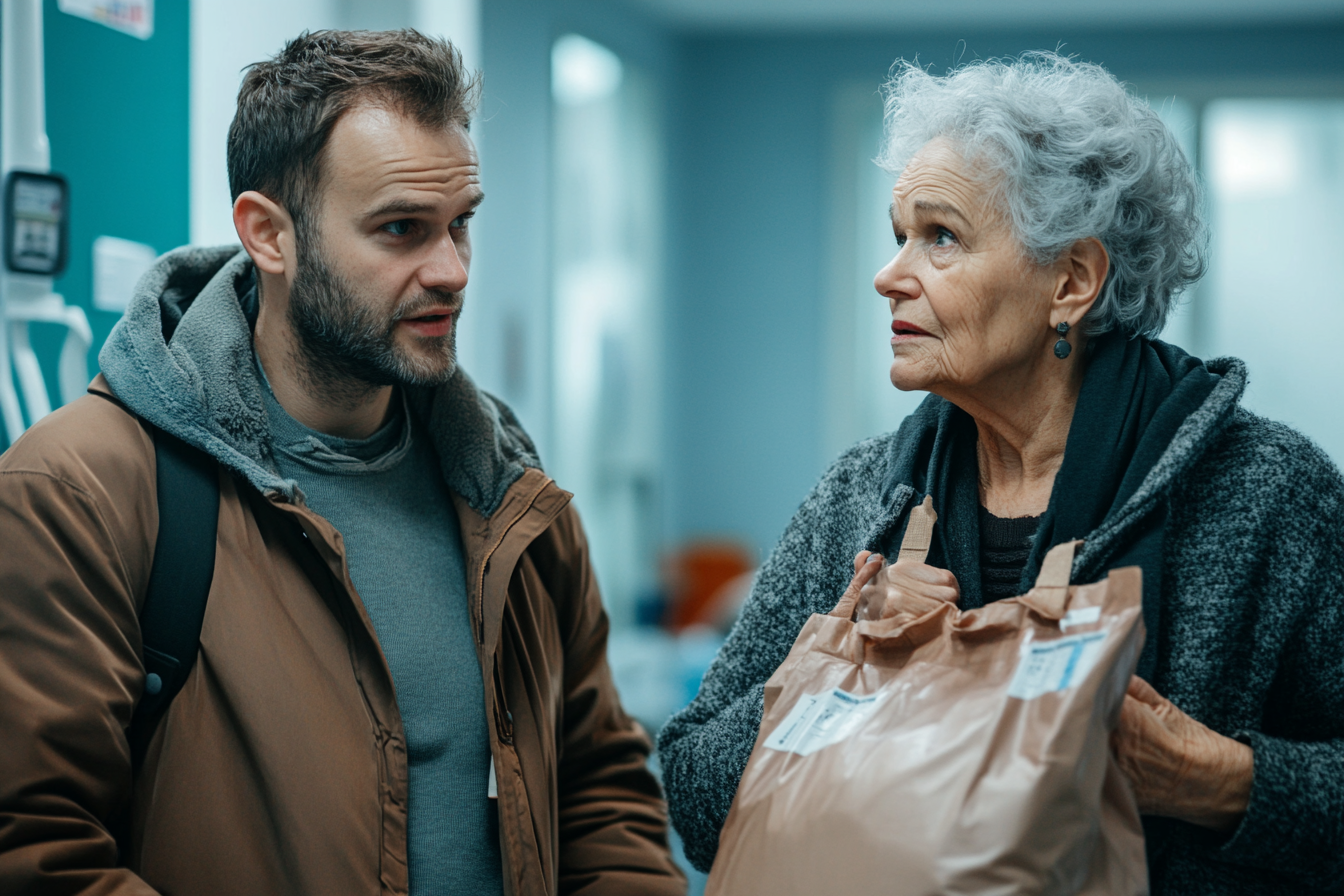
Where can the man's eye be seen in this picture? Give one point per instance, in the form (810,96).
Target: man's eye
(945,237)
(397,228)
(460,221)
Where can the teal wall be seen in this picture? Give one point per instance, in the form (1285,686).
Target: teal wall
(117,118)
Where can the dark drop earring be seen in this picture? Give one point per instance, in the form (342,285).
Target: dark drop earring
(1062,347)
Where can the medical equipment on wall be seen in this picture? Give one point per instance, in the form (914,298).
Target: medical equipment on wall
(36,232)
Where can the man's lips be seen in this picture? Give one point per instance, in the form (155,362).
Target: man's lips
(902,330)
(436,322)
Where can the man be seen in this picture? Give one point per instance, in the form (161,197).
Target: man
(402,619)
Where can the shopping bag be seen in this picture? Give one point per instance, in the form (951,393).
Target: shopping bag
(946,753)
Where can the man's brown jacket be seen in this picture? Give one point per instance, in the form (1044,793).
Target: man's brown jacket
(280,768)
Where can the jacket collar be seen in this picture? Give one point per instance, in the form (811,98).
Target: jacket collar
(494,544)
(181,359)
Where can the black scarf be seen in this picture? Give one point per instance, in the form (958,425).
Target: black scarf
(1136,393)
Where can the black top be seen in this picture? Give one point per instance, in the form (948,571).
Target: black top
(1005,545)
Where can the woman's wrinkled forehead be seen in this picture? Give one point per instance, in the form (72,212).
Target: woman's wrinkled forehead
(941,178)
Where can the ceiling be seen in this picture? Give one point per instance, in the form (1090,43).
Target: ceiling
(946,14)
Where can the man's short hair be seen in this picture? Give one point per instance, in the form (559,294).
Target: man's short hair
(289,104)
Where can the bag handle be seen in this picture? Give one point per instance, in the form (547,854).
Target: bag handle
(914,546)
(919,532)
(1050,595)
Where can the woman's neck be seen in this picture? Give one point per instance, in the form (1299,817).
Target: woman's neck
(1023,424)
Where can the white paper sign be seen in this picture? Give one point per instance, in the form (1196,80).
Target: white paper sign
(133,17)
(1045,666)
(117,266)
(819,720)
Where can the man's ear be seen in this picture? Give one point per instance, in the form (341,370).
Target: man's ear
(267,232)
(1082,274)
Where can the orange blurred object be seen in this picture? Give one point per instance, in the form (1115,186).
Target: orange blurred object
(696,576)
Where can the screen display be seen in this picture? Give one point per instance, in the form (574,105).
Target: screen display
(36,226)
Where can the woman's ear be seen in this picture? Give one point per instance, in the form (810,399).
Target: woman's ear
(266,231)
(1082,274)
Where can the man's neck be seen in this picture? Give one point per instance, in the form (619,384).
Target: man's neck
(345,409)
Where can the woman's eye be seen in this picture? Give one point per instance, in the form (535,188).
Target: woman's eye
(900,241)
(397,228)
(945,237)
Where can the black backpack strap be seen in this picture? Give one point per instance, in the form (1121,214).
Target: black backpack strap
(179,580)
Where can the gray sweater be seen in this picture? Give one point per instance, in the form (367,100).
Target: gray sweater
(388,499)
(1251,644)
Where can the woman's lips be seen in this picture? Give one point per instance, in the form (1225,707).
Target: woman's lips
(902,331)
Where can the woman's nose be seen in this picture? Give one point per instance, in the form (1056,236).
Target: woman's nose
(896,281)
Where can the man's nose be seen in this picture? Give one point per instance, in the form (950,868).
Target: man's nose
(445,268)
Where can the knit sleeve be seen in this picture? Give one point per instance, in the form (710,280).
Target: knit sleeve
(1294,826)
(1295,823)
(704,748)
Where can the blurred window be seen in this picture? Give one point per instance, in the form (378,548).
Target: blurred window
(1274,295)
(607,312)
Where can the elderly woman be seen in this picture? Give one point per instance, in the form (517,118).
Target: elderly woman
(1045,221)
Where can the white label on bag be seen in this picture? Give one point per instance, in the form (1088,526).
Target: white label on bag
(1057,665)
(1080,616)
(819,720)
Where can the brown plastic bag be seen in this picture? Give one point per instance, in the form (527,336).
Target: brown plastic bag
(950,753)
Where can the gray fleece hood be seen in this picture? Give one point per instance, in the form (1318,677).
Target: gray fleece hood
(181,359)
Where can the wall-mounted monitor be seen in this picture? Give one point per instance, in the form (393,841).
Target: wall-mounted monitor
(37,223)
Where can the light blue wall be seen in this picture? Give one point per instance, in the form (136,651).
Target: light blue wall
(746,290)
(747,279)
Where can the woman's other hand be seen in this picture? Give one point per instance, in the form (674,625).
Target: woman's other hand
(1178,767)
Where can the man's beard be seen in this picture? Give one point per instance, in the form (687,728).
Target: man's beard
(347,349)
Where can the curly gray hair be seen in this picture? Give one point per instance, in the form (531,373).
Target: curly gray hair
(1072,155)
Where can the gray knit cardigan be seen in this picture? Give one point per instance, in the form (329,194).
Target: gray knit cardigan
(1251,642)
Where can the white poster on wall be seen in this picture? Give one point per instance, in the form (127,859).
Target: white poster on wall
(117,266)
(133,17)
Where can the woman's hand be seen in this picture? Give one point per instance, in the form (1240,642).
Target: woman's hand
(866,566)
(1178,767)
(904,588)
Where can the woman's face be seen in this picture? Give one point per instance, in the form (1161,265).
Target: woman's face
(966,305)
